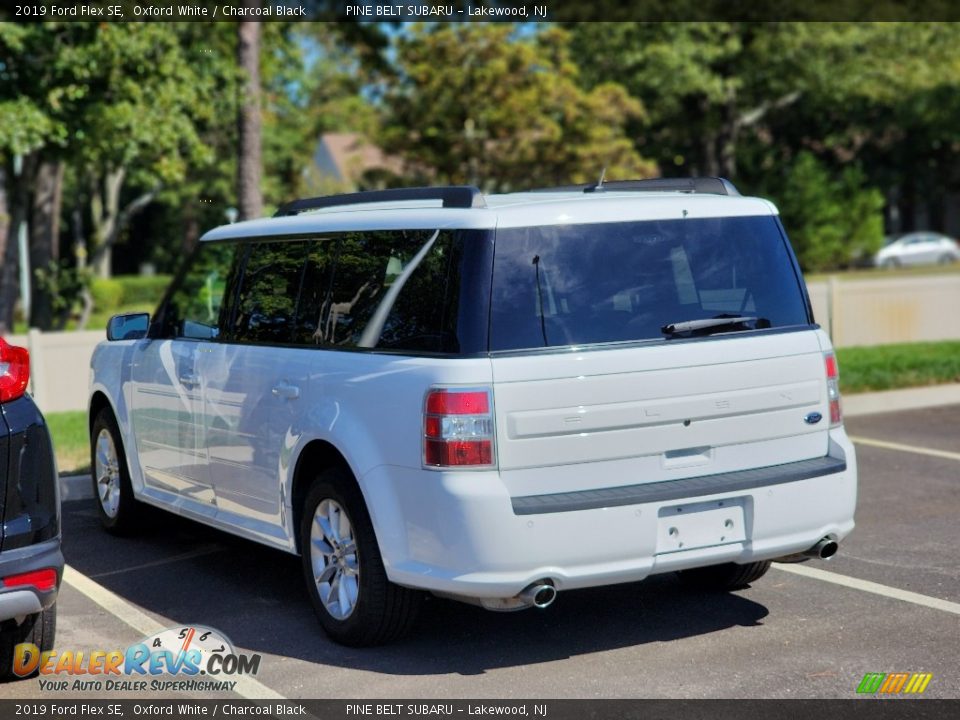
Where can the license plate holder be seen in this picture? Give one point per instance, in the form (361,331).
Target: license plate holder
(702,524)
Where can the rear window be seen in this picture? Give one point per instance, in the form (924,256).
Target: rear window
(616,282)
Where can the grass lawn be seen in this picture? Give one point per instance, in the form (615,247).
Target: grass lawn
(887,367)
(70,441)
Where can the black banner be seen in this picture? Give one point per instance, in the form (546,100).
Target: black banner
(396,11)
(859,709)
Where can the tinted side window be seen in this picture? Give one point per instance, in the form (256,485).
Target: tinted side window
(195,307)
(314,296)
(396,290)
(267,299)
(424,315)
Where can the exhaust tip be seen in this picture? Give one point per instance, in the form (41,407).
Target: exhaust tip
(544,596)
(540,594)
(828,548)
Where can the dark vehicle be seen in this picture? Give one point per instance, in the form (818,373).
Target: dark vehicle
(31,564)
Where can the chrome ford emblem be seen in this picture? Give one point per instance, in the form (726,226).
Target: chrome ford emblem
(813,418)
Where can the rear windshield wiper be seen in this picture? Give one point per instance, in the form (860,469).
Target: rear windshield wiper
(691,326)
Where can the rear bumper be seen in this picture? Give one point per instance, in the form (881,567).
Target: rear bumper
(461,533)
(18,601)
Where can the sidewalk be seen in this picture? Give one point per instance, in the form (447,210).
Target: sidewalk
(906,399)
(79,487)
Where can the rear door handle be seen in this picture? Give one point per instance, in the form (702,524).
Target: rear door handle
(286,391)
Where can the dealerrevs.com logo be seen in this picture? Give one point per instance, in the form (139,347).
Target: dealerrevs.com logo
(894,683)
(183,659)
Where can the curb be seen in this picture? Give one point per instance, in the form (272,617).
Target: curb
(906,399)
(75,487)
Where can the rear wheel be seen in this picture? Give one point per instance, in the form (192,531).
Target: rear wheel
(946,259)
(39,630)
(119,511)
(348,586)
(729,576)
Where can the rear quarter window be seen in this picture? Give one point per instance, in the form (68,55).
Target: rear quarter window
(387,290)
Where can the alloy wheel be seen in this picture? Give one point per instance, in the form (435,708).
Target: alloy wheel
(333,557)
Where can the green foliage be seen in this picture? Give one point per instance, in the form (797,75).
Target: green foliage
(107,294)
(749,99)
(141,95)
(832,219)
(64,284)
(111,295)
(478,103)
(143,289)
(819,116)
(886,367)
(23,126)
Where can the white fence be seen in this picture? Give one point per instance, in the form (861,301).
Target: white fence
(874,311)
(59,367)
(886,310)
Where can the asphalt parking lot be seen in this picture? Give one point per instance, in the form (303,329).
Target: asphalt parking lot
(889,602)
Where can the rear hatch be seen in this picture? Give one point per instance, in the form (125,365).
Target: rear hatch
(628,353)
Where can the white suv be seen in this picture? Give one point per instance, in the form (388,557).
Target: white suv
(490,398)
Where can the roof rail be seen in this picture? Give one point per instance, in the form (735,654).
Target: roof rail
(705,185)
(453,196)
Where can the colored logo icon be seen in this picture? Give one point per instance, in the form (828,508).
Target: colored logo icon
(894,683)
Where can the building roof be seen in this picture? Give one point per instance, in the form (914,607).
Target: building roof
(347,157)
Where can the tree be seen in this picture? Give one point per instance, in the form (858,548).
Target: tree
(149,93)
(124,106)
(249,165)
(831,220)
(27,128)
(747,100)
(476,103)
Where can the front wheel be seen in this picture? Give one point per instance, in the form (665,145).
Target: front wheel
(728,576)
(119,511)
(355,602)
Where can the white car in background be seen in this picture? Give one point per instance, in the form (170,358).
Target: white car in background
(918,248)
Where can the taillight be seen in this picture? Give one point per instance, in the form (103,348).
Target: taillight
(42,580)
(14,371)
(833,389)
(458,429)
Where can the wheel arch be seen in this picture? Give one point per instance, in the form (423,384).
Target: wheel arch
(98,401)
(101,399)
(316,456)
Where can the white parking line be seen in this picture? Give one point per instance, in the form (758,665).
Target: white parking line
(871,587)
(246,687)
(906,448)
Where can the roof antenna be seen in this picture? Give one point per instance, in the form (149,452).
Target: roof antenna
(599,186)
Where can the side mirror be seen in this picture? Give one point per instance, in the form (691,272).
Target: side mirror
(132,326)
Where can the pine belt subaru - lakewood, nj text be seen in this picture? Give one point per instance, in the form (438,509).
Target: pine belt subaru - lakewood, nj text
(492,398)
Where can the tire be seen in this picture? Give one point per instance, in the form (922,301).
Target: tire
(729,576)
(119,511)
(946,259)
(39,629)
(890,264)
(356,604)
